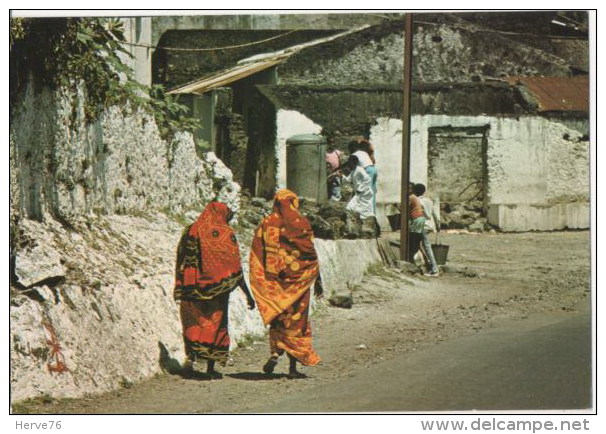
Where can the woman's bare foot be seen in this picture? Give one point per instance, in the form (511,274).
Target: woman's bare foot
(271,363)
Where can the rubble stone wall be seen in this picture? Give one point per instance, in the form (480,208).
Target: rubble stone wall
(98,313)
(119,164)
(447,51)
(96,214)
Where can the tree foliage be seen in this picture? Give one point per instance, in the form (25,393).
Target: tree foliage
(69,52)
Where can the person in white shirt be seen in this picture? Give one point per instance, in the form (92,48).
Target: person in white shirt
(364,151)
(432,223)
(362,200)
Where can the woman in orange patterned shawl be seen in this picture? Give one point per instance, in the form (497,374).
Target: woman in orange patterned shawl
(283,266)
(208,269)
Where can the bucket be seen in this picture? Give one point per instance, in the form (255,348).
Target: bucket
(440,251)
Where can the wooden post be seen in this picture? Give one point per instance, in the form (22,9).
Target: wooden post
(404,211)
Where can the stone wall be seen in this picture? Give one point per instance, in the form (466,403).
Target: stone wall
(173,68)
(530,159)
(352,110)
(65,167)
(446,48)
(91,305)
(96,214)
(283,22)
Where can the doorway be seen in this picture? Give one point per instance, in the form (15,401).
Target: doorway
(457,171)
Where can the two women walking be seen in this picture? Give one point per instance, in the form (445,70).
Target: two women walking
(283,267)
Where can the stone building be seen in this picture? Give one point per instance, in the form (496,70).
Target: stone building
(499,106)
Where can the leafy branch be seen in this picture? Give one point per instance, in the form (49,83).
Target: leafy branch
(65,52)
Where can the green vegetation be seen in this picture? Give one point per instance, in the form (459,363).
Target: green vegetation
(171,116)
(379,269)
(126,383)
(30,406)
(65,53)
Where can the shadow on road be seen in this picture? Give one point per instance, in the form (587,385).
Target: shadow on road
(255,376)
(198,376)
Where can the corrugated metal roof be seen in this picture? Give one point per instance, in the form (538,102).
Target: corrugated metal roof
(557,93)
(252,65)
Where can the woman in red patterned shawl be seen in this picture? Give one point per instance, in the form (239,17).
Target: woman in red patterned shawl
(283,266)
(208,269)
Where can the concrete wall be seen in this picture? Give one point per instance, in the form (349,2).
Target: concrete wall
(522,218)
(138,31)
(344,262)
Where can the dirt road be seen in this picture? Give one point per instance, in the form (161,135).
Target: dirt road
(496,279)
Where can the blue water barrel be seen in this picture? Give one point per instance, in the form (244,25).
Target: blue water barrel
(306,166)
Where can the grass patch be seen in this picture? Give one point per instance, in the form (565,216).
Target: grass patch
(29,406)
(126,383)
(380,270)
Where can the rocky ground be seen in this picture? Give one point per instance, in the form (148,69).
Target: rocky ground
(489,278)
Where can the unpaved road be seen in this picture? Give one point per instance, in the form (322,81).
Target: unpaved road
(515,283)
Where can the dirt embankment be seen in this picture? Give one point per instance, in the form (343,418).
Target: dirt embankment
(492,278)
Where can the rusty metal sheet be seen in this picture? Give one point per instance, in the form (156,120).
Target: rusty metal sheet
(557,93)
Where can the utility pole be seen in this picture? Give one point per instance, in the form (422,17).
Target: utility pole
(404,211)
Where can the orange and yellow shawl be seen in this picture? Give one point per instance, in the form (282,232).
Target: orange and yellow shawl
(283,266)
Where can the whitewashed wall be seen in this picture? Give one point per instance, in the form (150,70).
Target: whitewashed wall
(110,306)
(537,178)
(529,163)
(290,123)
(102,281)
(69,167)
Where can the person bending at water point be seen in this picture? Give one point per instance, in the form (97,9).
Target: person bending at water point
(362,200)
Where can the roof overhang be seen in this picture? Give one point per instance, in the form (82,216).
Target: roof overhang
(228,76)
(252,65)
